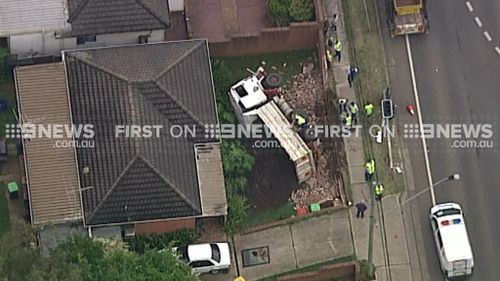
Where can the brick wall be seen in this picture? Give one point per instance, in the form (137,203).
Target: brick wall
(326,273)
(163,226)
(297,36)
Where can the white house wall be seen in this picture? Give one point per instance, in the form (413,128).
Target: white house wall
(176,5)
(128,38)
(39,44)
(46,44)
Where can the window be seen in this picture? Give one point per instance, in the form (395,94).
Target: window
(447,212)
(215,252)
(81,40)
(440,240)
(201,263)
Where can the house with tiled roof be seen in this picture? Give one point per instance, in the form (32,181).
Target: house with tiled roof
(34,28)
(127,184)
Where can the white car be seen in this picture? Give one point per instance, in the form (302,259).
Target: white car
(452,241)
(206,258)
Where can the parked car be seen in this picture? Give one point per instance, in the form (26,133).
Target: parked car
(206,258)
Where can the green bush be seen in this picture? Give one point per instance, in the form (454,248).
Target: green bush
(143,243)
(237,163)
(301,10)
(237,214)
(278,11)
(282,12)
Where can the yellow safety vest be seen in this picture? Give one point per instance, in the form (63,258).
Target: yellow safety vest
(329,55)
(354,108)
(379,189)
(369,109)
(348,120)
(300,120)
(337,46)
(370,167)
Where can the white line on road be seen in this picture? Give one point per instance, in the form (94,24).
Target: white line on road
(487,35)
(420,122)
(478,21)
(469,6)
(497,49)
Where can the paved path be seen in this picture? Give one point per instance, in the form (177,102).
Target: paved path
(390,254)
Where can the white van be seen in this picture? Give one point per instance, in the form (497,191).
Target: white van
(452,242)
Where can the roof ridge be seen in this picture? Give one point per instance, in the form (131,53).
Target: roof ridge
(178,103)
(153,13)
(171,184)
(184,55)
(77,11)
(95,65)
(123,173)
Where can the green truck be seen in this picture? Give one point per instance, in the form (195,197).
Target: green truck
(407,17)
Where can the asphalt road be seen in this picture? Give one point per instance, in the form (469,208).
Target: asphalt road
(458,78)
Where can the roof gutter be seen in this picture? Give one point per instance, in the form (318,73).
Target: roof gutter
(63,56)
(25,160)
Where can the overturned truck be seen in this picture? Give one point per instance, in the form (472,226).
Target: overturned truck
(256,99)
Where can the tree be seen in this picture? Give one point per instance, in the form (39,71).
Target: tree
(301,10)
(278,11)
(236,162)
(118,264)
(20,259)
(83,259)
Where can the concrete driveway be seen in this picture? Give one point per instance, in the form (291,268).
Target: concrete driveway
(292,246)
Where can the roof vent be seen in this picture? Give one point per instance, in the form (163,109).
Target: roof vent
(86,170)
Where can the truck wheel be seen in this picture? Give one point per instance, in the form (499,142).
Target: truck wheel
(272,80)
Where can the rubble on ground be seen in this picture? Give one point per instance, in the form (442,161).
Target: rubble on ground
(305,92)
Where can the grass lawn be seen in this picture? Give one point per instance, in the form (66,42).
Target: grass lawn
(269,215)
(313,268)
(367,53)
(235,67)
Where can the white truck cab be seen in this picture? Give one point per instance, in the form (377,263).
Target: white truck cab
(452,241)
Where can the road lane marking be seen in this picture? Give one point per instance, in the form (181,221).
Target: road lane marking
(469,6)
(420,121)
(478,21)
(498,50)
(487,35)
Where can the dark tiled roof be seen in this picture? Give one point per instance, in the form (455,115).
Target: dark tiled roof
(135,179)
(91,17)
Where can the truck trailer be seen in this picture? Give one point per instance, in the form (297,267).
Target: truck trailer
(407,17)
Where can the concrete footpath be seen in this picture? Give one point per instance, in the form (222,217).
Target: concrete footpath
(389,245)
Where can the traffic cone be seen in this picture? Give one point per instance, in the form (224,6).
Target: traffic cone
(411,109)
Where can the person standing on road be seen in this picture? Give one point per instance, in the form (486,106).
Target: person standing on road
(329,59)
(351,74)
(369,109)
(348,121)
(379,190)
(337,46)
(369,170)
(354,111)
(342,105)
(361,208)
